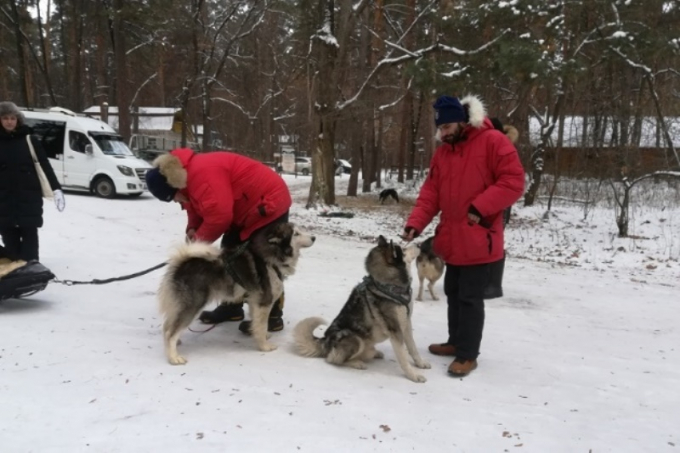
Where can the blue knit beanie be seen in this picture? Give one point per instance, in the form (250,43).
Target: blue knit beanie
(158,185)
(448,109)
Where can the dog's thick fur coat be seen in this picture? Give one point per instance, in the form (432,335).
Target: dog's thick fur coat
(377,309)
(199,273)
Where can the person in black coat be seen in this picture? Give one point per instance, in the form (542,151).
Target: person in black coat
(21,204)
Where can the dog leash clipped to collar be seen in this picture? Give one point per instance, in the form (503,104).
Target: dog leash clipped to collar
(97,281)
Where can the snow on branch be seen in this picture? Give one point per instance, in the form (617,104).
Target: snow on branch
(145,43)
(412,55)
(398,100)
(326,36)
(134,98)
(482,48)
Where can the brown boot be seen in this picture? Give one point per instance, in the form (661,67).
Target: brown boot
(442,349)
(462,367)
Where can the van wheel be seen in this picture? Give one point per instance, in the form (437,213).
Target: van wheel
(305,172)
(104,187)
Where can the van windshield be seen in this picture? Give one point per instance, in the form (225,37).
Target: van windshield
(112,145)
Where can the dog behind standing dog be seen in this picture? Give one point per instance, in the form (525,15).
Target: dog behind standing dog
(429,266)
(378,309)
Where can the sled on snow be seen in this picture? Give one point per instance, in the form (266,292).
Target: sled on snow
(20,279)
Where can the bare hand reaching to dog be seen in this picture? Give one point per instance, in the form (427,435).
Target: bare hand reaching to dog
(409,234)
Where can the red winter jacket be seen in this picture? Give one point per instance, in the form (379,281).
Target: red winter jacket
(484,171)
(227,190)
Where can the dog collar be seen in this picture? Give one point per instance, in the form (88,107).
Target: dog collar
(396,293)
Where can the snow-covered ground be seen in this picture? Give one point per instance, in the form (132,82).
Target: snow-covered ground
(580,356)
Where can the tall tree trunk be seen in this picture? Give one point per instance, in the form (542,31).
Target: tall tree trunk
(122,92)
(323,179)
(406,126)
(538,156)
(24,71)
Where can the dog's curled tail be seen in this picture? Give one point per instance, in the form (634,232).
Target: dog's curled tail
(194,250)
(305,342)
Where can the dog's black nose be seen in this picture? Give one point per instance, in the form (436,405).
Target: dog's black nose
(313,238)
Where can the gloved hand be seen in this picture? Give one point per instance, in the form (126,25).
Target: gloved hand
(59,200)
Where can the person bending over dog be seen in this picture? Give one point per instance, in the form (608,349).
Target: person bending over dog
(224,194)
(474,175)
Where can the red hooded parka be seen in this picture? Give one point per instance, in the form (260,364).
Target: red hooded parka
(485,171)
(225,190)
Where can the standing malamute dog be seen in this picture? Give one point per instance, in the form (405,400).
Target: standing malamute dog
(429,266)
(199,273)
(377,309)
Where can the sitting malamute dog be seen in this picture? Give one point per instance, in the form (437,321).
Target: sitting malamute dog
(430,266)
(379,308)
(199,273)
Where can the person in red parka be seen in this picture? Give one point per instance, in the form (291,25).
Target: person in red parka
(225,194)
(474,175)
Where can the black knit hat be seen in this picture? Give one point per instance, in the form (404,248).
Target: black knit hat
(448,109)
(158,185)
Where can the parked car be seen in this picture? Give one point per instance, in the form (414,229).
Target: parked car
(303,165)
(344,165)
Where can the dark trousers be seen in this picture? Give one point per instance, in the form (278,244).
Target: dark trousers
(21,243)
(232,239)
(464,288)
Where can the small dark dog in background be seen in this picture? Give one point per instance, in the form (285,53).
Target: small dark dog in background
(389,193)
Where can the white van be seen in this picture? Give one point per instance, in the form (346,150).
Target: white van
(87,154)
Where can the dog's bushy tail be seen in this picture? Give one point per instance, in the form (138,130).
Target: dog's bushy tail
(305,342)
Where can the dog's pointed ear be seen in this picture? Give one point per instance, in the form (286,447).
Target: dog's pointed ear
(398,253)
(382,242)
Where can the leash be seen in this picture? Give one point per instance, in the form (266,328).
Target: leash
(228,262)
(97,281)
(239,250)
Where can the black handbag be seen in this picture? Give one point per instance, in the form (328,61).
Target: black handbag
(494,283)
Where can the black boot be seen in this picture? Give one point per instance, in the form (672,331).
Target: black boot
(224,312)
(275,322)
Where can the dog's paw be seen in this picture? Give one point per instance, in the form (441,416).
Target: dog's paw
(379,355)
(423,364)
(357,364)
(419,378)
(267,347)
(177,360)
(419,299)
(435,298)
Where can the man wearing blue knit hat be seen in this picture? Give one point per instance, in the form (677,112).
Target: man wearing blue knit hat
(474,175)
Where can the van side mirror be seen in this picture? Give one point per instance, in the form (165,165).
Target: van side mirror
(88,150)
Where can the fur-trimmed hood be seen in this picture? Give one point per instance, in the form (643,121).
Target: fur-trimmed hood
(172,166)
(512,133)
(476,113)
(476,110)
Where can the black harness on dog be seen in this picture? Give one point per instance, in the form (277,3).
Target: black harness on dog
(396,293)
(229,259)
